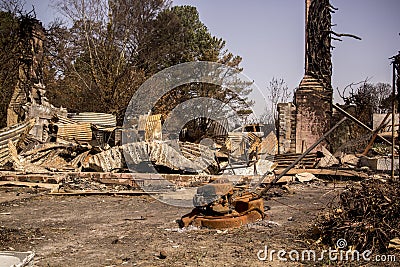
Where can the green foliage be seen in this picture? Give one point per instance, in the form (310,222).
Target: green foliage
(93,61)
(99,62)
(177,35)
(107,49)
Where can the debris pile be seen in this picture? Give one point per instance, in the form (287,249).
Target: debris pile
(79,142)
(367,216)
(72,183)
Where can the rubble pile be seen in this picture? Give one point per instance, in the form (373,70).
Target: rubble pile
(73,183)
(70,145)
(367,216)
(33,156)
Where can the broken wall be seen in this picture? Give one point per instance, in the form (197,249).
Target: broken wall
(286,128)
(313,113)
(28,99)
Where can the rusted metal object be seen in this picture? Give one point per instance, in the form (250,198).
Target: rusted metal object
(221,206)
(224,222)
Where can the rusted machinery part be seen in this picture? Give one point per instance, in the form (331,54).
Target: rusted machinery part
(224,222)
(187,219)
(254,213)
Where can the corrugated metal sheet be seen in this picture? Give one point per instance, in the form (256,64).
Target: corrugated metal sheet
(12,133)
(152,127)
(106,161)
(193,151)
(142,122)
(64,120)
(240,143)
(219,127)
(18,97)
(269,145)
(100,119)
(104,129)
(165,154)
(254,142)
(160,153)
(80,160)
(79,132)
(200,154)
(236,144)
(15,131)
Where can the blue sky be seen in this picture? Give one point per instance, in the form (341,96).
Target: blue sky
(269,35)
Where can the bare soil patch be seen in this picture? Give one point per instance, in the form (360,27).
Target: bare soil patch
(135,230)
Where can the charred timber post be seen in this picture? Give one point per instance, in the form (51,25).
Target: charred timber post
(396,83)
(393,118)
(322,138)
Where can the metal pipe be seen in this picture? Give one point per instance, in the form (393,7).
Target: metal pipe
(393,118)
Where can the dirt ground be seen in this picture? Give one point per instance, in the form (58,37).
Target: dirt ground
(134,230)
